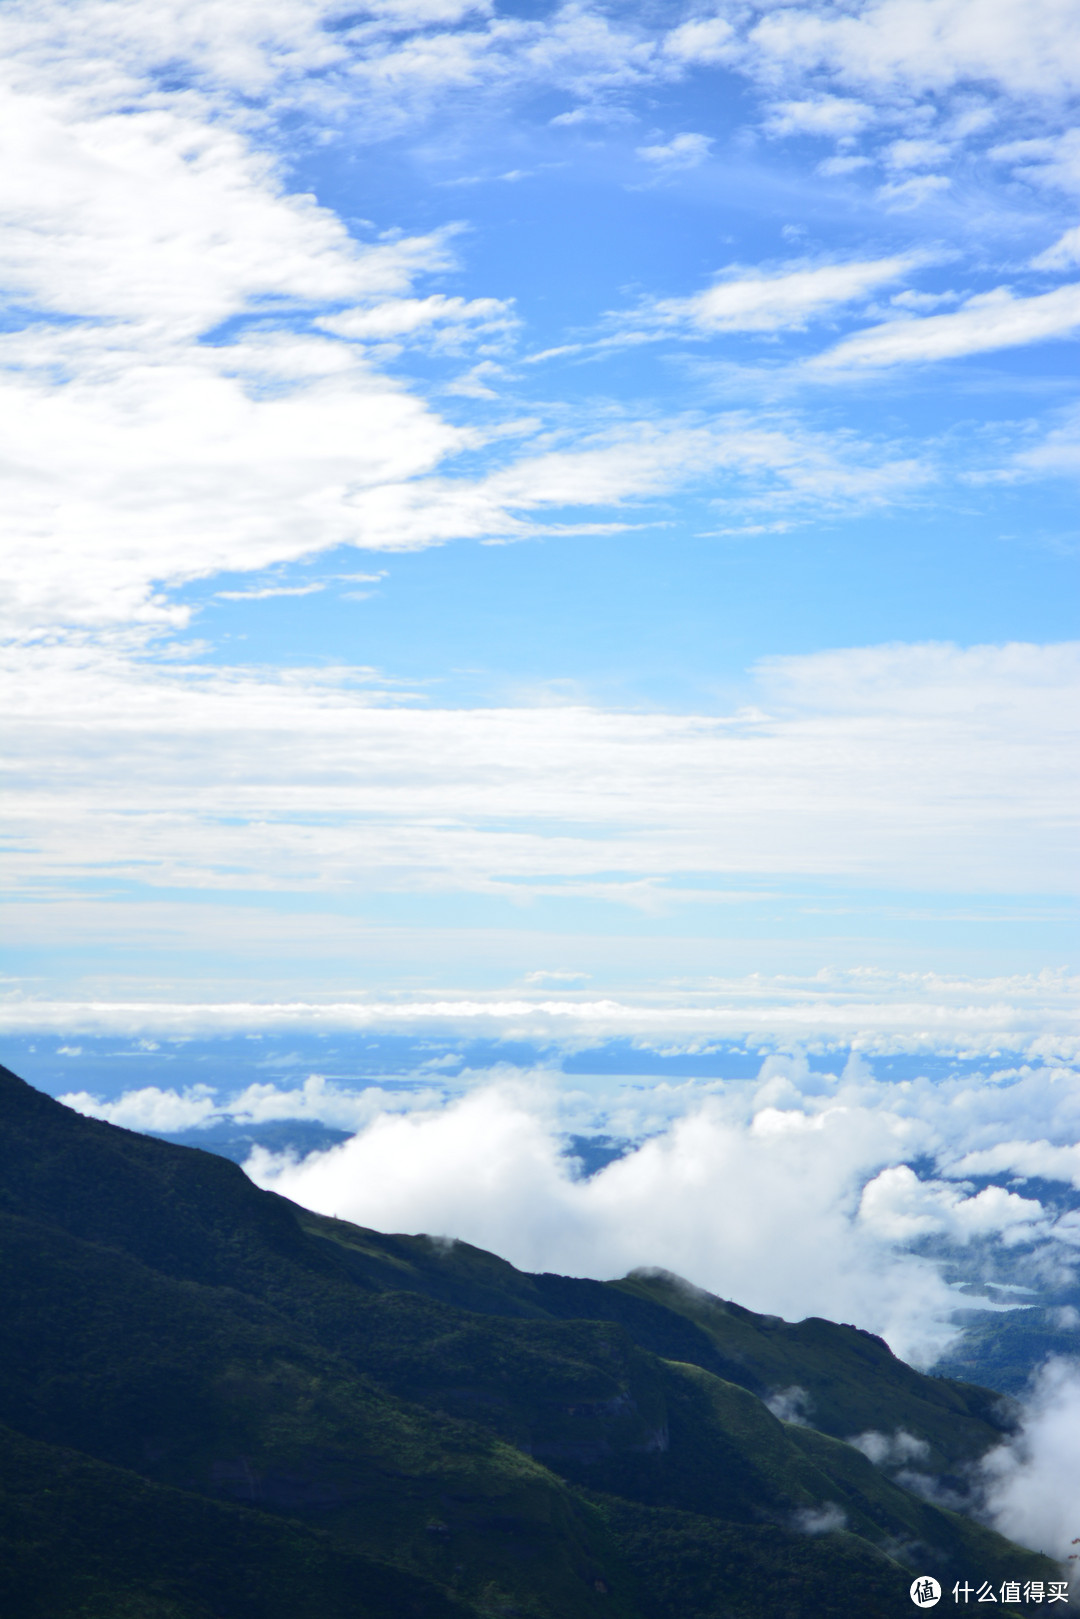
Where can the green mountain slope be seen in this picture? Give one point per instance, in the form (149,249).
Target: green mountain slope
(216,1405)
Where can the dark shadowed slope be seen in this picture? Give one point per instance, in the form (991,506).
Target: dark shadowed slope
(219,1405)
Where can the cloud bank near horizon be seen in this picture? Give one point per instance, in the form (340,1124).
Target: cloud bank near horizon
(929,768)
(1033,1017)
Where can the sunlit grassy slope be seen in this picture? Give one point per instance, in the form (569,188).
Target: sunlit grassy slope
(219,1406)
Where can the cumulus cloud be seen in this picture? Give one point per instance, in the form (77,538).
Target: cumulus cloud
(150,1108)
(165,1111)
(806,1191)
(918,153)
(1040,1159)
(901,1206)
(708,40)
(938,72)
(748,1208)
(142,450)
(1031,1484)
(921,45)
(837,117)
(681,152)
(756,1191)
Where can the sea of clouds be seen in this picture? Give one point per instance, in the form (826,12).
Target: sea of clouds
(842,1177)
(893,1180)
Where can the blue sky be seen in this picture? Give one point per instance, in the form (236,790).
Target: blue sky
(503,497)
(539,597)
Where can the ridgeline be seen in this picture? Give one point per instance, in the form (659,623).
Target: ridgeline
(215,1405)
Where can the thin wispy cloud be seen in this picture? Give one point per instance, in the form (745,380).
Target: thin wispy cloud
(318,786)
(783,300)
(268,591)
(988,321)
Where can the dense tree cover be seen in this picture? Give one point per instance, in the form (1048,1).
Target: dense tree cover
(219,1406)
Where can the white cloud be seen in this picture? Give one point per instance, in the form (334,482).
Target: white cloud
(403,74)
(819,1520)
(1058,454)
(890,1450)
(792,1404)
(1031,1483)
(742,458)
(991,320)
(165,1112)
(136,221)
(1039,1159)
(900,1206)
(1051,160)
(1030,1018)
(707,40)
(923,45)
(323,1100)
(782,301)
(939,72)
(835,117)
(143,454)
(848,164)
(150,1108)
(304,782)
(748,1209)
(901,195)
(681,152)
(139,219)
(915,154)
(167,468)
(268,591)
(556,978)
(923,302)
(404,317)
(792,1194)
(1062,255)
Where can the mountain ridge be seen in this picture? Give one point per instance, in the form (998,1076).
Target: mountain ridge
(399,1408)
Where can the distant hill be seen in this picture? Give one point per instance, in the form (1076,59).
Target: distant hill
(216,1405)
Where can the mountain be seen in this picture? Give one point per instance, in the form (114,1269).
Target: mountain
(216,1405)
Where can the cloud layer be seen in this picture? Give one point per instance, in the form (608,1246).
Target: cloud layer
(793,1194)
(305,782)
(1033,1018)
